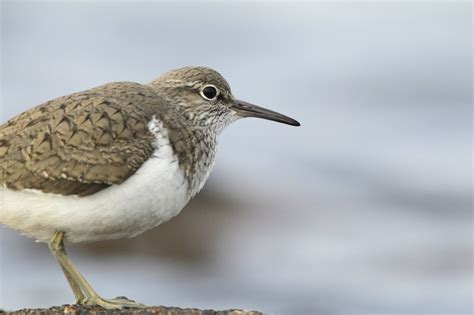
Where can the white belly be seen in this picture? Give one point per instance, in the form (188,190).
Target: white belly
(154,194)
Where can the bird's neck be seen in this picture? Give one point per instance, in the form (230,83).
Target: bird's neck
(195,148)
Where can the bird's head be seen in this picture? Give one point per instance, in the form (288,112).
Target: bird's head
(204,97)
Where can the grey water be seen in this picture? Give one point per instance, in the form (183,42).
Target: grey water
(366,208)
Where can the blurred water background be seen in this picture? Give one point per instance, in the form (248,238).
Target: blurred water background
(366,208)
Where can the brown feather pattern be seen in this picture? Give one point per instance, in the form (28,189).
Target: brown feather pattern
(84,142)
(81,143)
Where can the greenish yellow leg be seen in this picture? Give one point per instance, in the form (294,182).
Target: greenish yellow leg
(76,289)
(79,284)
(55,245)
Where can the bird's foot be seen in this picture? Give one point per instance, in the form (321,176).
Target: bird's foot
(80,301)
(117,303)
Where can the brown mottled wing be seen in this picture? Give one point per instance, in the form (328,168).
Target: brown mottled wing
(81,143)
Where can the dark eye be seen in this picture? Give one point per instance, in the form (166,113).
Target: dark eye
(209,92)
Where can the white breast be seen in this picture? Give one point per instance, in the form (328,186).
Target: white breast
(154,194)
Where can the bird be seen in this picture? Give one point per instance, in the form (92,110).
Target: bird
(114,161)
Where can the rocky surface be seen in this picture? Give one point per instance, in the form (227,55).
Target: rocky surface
(155,310)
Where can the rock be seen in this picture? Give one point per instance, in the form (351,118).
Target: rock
(97,310)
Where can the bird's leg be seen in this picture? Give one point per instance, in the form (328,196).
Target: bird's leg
(56,246)
(78,294)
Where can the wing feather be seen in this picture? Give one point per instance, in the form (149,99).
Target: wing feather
(81,143)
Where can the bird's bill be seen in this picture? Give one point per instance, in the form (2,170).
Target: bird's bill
(244,109)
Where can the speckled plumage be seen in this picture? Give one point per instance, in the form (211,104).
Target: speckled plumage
(79,143)
(84,142)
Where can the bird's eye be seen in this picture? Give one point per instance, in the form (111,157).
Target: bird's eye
(209,92)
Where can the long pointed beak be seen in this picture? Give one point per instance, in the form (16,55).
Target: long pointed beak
(245,109)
